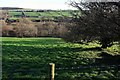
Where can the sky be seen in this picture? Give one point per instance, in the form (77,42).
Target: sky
(36,4)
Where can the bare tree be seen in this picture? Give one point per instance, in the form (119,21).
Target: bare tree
(25,28)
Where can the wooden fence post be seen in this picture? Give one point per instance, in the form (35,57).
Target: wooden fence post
(52,71)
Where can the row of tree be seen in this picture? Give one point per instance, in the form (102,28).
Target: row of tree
(27,28)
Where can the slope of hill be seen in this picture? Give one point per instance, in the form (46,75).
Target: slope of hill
(14,13)
(9,8)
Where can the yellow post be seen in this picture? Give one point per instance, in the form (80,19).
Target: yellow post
(52,71)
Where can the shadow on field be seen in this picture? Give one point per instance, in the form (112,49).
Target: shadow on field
(34,49)
(107,58)
(34,61)
(52,42)
(51,54)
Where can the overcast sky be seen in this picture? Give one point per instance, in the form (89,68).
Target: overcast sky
(36,4)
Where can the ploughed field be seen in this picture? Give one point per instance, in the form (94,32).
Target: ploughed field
(30,58)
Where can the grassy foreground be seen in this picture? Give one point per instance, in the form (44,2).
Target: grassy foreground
(30,58)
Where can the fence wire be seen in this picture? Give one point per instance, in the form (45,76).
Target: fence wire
(88,67)
(44,72)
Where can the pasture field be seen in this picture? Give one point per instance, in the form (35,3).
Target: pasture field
(15,13)
(30,58)
(42,14)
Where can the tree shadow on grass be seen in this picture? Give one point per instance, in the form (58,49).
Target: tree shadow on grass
(47,54)
(107,58)
(35,61)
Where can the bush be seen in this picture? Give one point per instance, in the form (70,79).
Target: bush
(51,29)
(7,30)
(25,28)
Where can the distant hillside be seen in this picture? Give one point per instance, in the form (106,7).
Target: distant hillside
(9,8)
(36,15)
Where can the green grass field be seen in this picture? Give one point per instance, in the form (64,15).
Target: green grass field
(46,14)
(51,15)
(30,58)
(14,13)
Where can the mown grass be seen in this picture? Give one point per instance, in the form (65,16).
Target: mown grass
(30,58)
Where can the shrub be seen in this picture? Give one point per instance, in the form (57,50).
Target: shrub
(25,28)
